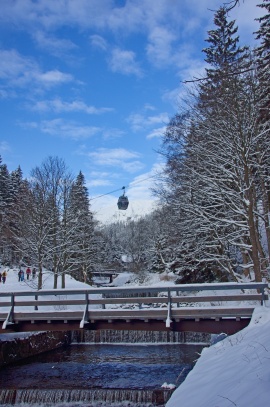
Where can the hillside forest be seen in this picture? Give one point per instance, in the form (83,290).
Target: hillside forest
(212,222)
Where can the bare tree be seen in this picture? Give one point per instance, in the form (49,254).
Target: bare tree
(41,211)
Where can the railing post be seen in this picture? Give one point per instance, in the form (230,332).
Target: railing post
(86,303)
(85,314)
(168,320)
(10,317)
(263,295)
(36,299)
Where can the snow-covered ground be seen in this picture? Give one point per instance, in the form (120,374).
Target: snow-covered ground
(233,372)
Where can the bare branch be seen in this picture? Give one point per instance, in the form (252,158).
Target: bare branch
(225,75)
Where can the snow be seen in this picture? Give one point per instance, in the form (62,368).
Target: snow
(232,372)
(12,283)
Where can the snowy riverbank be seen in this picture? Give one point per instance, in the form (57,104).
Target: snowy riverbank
(234,372)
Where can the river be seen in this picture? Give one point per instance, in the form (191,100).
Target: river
(98,375)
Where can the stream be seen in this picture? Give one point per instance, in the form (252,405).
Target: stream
(95,375)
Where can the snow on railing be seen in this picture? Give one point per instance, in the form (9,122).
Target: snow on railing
(101,297)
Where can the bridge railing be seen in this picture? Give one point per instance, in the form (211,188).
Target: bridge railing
(154,298)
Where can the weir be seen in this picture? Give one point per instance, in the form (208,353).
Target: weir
(138,398)
(126,336)
(58,394)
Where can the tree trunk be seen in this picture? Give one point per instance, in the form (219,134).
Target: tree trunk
(55,275)
(63,279)
(253,236)
(39,274)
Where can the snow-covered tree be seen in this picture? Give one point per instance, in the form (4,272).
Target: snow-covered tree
(4,205)
(213,154)
(80,218)
(262,53)
(40,209)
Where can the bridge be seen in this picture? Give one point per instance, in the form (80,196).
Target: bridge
(212,308)
(110,274)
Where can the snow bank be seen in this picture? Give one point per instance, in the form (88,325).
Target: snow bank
(234,372)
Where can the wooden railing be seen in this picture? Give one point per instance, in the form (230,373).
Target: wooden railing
(170,304)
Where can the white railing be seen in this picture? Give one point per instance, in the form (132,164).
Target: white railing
(171,302)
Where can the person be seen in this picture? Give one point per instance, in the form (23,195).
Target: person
(34,272)
(0,276)
(4,276)
(28,273)
(21,275)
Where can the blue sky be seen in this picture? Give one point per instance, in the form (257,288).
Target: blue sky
(95,82)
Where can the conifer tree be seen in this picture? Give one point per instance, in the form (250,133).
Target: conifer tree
(226,60)
(262,53)
(16,182)
(228,129)
(4,205)
(82,255)
(263,58)
(215,194)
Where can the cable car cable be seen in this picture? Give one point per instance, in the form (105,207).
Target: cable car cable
(119,189)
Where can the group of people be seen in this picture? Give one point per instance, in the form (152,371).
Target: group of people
(3,276)
(28,273)
(21,274)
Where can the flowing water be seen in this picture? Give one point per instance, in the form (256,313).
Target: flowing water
(98,375)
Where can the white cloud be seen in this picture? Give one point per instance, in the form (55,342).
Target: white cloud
(57,105)
(141,186)
(132,166)
(54,45)
(157,133)
(72,130)
(139,121)
(118,157)
(21,71)
(52,77)
(13,65)
(159,48)
(111,156)
(112,133)
(98,182)
(62,128)
(98,42)
(4,147)
(147,106)
(100,178)
(123,61)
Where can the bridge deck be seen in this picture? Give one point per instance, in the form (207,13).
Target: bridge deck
(144,308)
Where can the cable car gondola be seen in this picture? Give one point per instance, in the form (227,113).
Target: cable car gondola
(123,201)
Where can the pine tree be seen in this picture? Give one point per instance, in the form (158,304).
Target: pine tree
(263,59)
(226,60)
(212,170)
(262,53)
(82,257)
(5,199)
(16,183)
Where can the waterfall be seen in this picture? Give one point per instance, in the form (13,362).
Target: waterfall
(95,397)
(114,336)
